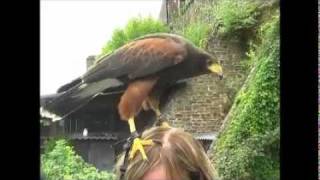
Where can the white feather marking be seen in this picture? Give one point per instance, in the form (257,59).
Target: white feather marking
(45,113)
(83,85)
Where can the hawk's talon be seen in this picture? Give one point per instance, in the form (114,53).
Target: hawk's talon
(138,143)
(138,146)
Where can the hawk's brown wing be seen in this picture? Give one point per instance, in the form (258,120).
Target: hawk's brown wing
(139,58)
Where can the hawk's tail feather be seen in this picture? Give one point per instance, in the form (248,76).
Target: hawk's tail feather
(65,103)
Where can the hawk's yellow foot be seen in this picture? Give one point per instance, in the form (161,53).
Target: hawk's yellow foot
(137,142)
(157,111)
(138,146)
(165,124)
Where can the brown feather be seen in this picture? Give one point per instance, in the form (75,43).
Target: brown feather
(163,52)
(138,59)
(158,46)
(132,99)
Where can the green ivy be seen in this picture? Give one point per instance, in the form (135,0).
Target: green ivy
(235,15)
(248,148)
(61,162)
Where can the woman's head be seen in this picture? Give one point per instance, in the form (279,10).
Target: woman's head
(175,155)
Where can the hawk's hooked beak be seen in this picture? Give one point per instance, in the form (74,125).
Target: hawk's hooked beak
(216,68)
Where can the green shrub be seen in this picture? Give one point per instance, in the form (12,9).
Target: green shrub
(51,143)
(135,28)
(62,163)
(235,15)
(248,148)
(118,39)
(197,33)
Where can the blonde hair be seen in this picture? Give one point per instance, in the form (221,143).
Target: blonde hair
(182,156)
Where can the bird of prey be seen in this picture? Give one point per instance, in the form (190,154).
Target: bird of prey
(142,69)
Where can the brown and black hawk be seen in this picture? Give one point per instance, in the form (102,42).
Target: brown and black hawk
(143,69)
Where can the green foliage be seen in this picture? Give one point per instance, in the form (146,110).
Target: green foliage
(235,15)
(118,39)
(135,28)
(61,162)
(248,148)
(197,33)
(249,62)
(50,144)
